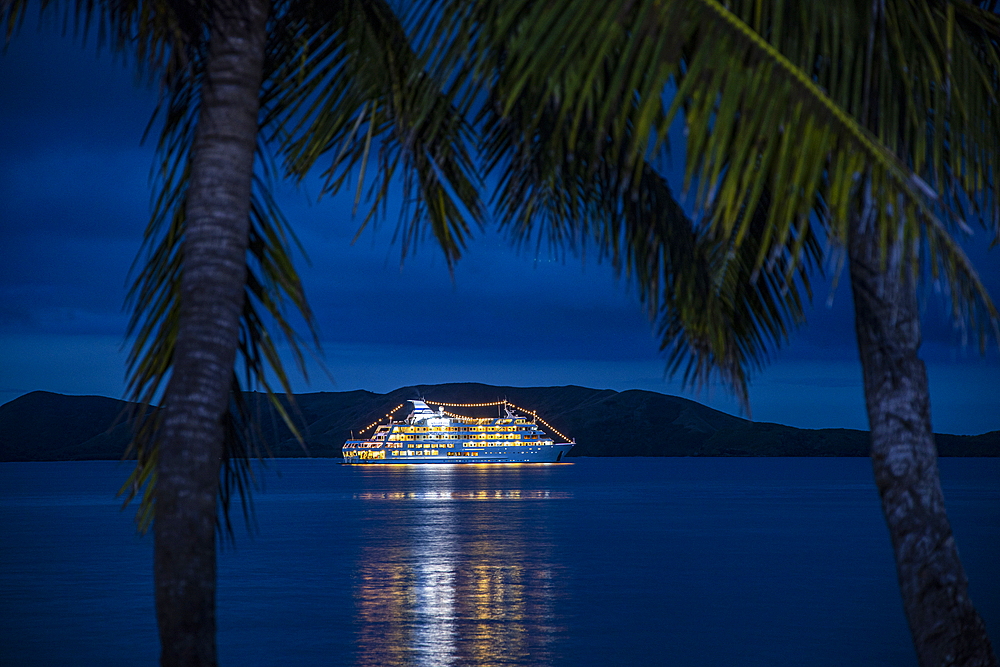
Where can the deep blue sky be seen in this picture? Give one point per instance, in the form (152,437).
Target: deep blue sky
(74,197)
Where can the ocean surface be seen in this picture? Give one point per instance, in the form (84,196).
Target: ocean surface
(597,562)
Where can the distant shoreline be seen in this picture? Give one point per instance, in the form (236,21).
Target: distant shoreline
(43,426)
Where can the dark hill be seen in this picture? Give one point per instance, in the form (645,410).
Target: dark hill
(42,426)
(47,427)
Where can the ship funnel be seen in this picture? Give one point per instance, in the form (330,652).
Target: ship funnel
(420,410)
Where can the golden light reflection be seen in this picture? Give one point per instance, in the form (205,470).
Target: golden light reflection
(496,494)
(447,579)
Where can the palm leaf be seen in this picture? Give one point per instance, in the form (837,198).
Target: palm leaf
(775,104)
(714,316)
(272,288)
(308,107)
(358,93)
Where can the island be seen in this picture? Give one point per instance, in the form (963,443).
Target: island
(44,426)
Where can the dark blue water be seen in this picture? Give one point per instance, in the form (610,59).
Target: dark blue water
(600,562)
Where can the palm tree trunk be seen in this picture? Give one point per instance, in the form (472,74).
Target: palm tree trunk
(946,628)
(212,284)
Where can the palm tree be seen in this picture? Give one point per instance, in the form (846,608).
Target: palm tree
(871,127)
(239,74)
(343,48)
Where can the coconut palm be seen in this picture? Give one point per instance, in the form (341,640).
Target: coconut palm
(870,128)
(359,50)
(239,75)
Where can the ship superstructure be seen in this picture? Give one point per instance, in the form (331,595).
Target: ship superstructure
(428,436)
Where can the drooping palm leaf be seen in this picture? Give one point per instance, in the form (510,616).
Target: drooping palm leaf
(356,57)
(570,185)
(272,286)
(356,94)
(302,39)
(714,318)
(157,36)
(772,103)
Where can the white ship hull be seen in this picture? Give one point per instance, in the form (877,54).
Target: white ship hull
(554,453)
(442,438)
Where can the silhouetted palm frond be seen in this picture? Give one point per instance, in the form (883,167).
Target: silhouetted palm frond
(778,119)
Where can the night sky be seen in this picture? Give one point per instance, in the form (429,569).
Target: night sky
(74,200)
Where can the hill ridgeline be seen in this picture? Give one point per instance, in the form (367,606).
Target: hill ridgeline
(43,426)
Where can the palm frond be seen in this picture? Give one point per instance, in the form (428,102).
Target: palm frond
(272,288)
(568,181)
(796,102)
(716,314)
(353,89)
(158,37)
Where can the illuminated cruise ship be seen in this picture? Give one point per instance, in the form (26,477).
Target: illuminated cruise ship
(426,436)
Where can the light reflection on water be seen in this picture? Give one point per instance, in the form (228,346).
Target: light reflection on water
(443,579)
(744,562)
(495,494)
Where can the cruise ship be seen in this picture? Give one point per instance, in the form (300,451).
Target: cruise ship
(426,436)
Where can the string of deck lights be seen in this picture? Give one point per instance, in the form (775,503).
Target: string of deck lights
(503,402)
(379,420)
(467,405)
(535,415)
(470,405)
(475,419)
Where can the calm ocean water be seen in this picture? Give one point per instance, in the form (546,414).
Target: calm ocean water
(598,562)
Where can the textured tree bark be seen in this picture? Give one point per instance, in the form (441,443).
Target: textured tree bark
(946,628)
(212,283)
